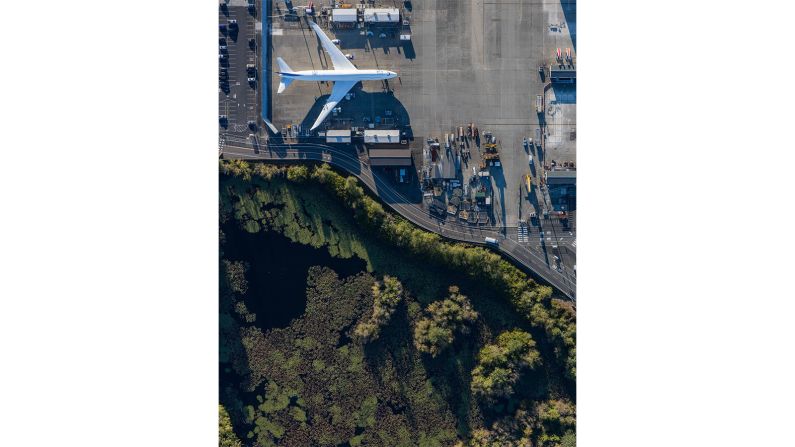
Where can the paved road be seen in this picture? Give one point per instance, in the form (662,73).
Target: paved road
(538,263)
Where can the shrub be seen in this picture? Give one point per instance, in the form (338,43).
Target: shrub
(435,332)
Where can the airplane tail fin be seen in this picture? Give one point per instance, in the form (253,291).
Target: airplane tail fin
(284,68)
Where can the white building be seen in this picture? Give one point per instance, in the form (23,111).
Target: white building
(382,15)
(343,15)
(382,136)
(338,136)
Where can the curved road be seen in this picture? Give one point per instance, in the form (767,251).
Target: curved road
(414,212)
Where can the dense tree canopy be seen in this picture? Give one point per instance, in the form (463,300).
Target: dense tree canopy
(314,383)
(534,301)
(386,297)
(500,364)
(236,276)
(436,331)
(226,435)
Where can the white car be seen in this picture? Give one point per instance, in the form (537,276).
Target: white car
(335,41)
(349,56)
(530,158)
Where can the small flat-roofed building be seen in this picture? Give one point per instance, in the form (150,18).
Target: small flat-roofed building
(562,188)
(561,177)
(338,136)
(390,157)
(382,15)
(565,74)
(343,15)
(381,136)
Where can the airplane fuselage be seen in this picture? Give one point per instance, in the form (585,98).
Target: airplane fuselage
(339,75)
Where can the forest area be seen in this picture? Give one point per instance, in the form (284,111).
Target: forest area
(342,324)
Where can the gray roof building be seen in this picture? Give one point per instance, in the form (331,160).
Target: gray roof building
(563,74)
(561,177)
(390,157)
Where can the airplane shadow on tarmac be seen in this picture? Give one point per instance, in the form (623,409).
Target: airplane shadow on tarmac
(364,107)
(386,112)
(570,15)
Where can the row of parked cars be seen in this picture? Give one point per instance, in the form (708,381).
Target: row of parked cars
(230,30)
(252,7)
(223,57)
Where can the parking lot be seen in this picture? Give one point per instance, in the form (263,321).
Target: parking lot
(467,61)
(237,98)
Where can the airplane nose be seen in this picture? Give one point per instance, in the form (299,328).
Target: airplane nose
(392,74)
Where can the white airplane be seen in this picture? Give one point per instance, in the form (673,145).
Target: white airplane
(344,75)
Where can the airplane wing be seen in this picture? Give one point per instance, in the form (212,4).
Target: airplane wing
(337,93)
(337,58)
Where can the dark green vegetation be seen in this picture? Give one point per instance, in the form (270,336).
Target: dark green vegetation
(226,434)
(385,301)
(435,332)
(356,367)
(500,364)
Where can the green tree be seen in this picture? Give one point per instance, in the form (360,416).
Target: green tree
(386,297)
(226,434)
(436,331)
(297,173)
(500,364)
(534,301)
(236,276)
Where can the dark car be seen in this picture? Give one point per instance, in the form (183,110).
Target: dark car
(232,24)
(223,121)
(222,29)
(251,71)
(252,125)
(252,43)
(224,75)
